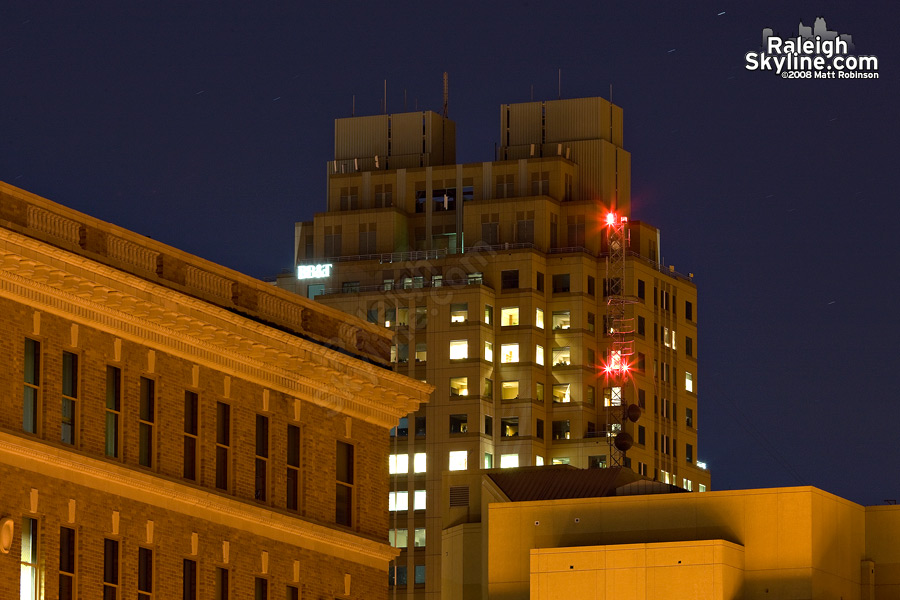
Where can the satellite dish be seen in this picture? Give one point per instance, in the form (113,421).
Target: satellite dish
(624,441)
(6,535)
(634,412)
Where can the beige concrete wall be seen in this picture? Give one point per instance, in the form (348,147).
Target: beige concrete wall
(702,570)
(782,530)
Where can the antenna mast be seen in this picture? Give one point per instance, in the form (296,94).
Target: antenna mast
(446,95)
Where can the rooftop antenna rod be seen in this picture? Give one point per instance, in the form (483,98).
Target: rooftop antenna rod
(559,85)
(446,95)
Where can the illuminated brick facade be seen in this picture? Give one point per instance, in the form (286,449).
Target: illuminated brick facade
(171,428)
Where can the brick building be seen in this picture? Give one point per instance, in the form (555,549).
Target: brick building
(172,429)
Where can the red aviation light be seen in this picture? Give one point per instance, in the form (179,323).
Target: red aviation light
(610,219)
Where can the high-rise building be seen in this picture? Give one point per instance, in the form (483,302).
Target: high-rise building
(172,429)
(499,285)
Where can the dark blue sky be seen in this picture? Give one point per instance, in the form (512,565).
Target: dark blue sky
(207,126)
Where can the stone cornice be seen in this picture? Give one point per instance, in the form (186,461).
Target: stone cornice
(77,288)
(37,457)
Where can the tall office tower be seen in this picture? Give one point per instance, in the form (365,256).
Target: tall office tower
(499,284)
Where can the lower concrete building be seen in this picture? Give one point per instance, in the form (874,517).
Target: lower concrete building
(172,429)
(520,538)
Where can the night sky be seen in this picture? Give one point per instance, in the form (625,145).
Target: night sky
(207,126)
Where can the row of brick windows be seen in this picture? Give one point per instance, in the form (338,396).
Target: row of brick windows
(148,433)
(114,562)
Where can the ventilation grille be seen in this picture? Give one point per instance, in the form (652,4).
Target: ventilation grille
(459,495)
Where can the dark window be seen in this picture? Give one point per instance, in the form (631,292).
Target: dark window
(145,573)
(293,467)
(592,285)
(597,462)
(344,490)
(350,287)
(223,444)
(397,576)
(642,435)
(223,582)
(32,386)
(641,362)
(509,427)
(113,410)
(540,281)
(590,321)
(293,593)
(561,430)
(189,579)
(490,233)
(147,418)
(262,588)
(262,457)
(640,291)
(642,398)
(402,429)
(561,283)
(191,415)
(66,563)
(420,426)
(509,279)
(688,346)
(489,425)
(420,574)
(641,326)
(688,311)
(459,423)
(689,453)
(110,569)
(539,429)
(689,417)
(69,426)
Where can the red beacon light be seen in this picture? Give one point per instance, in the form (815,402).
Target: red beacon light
(610,219)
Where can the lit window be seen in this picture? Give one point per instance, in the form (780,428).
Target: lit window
(509,461)
(612,396)
(562,319)
(687,484)
(421,352)
(539,391)
(398,463)
(488,314)
(28,567)
(562,392)
(664,476)
(489,351)
(398,501)
(459,386)
(419,539)
(539,354)
(419,500)
(665,337)
(488,460)
(509,316)
(539,318)
(673,340)
(560,460)
(539,461)
(459,349)
(701,487)
(419,462)
(398,537)
(509,390)
(488,388)
(509,353)
(688,382)
(459,313)
(458,460)
(562,357)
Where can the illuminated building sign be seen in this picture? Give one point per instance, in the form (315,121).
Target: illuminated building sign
(313,271)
